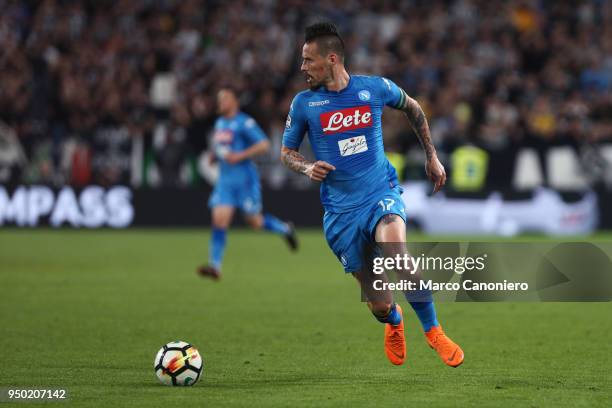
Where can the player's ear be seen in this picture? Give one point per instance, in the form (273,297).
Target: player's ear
(332,58)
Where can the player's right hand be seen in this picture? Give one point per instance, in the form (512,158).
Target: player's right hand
(318,170)
(436,173)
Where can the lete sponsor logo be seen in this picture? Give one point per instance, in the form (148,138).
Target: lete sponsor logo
(346,119)
(223,136)
(353,145)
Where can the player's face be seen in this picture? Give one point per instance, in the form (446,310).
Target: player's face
(316,67)
(226,102)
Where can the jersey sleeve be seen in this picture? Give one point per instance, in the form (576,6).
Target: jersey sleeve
(295,126)
(252,132)
(392,94)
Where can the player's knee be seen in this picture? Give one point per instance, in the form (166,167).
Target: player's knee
(221,217)
(221,222)
(220,225)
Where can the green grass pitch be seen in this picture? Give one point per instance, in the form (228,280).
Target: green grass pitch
(88,310)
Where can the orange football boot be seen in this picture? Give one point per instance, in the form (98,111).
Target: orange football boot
(395,343)
(447,349)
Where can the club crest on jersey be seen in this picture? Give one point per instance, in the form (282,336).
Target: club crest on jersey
(346,119)
(353,145)
(364,95)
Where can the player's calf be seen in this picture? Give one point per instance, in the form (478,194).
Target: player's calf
(381,310)
(385,311)
(269,222)
(255,221)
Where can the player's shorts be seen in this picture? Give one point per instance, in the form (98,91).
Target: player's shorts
(350,235)
(247,197)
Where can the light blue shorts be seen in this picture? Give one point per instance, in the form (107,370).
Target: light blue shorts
(350,235)
(247,197)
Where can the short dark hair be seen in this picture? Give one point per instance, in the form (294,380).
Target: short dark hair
(327,38)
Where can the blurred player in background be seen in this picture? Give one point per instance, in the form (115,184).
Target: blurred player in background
(237,139)
(359,188)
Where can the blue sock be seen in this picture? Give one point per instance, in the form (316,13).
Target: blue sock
(393,317)
(273,224)
(426,313)
(217,247)
(422,304)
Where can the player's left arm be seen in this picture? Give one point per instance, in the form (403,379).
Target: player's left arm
(258,148)
(258,140)
(434,169)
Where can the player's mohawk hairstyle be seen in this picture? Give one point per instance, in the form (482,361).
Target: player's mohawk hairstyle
(321,29)
(326,34)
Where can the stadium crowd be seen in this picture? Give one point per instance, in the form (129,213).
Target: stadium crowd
(124,91)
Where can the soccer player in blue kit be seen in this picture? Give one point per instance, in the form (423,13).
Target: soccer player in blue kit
(342,114)
(237,138)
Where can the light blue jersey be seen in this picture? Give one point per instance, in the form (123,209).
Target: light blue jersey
(238,185)
(236,134)
(345,130)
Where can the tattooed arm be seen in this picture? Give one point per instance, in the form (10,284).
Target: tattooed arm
(316,171)
(295,128)
(434,169)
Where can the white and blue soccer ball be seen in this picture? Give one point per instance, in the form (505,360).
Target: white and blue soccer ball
(178,363)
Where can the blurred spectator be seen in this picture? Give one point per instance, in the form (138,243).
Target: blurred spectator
(12,158)
(85,85)
(170,144)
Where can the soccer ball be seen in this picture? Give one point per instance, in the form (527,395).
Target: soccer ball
(178,363)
